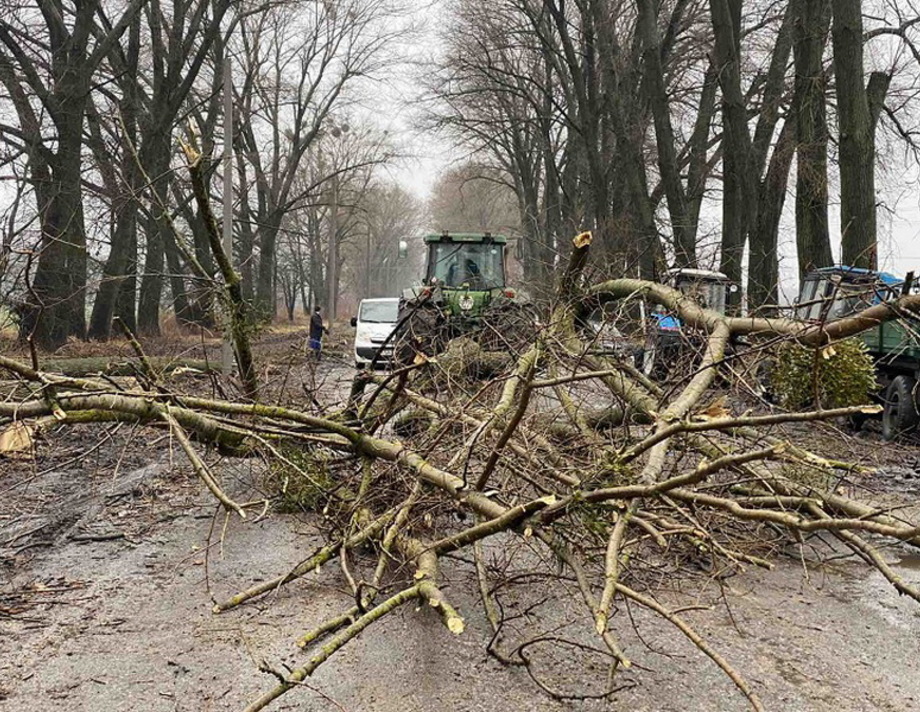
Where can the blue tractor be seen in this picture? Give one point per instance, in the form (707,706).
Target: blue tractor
(667,340)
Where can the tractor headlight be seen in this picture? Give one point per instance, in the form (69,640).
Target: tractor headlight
(466,303)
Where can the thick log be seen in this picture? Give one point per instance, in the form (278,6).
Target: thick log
(124,366)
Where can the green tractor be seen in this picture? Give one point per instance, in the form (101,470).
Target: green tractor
(464,292)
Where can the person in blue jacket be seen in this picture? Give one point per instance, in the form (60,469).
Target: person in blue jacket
(665,321)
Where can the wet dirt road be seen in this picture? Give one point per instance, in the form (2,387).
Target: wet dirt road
(115,615)
(125,624)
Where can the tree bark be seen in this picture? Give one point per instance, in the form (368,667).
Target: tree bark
(763,267)
(857,110)
(122,258)
(59,287)
(812,23)
(154,157)
(740,194)
(654,83)
(698,160)
(268,242)
(763,261)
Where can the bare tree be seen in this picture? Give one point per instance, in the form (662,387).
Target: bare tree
(858,107)
(496,95)
(386,216)
(298,62)
(48,56)
(474,198)
(812,24)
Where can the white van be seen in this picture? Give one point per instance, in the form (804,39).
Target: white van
(375,321)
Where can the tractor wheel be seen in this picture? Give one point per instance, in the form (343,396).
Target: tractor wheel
(900,413)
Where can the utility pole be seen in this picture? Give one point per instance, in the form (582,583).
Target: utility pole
(337,131)
(227,348)
(333,249)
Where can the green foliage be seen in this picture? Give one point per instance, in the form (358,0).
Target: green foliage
(598,517)
(593,518)
(835,376)
(611,472)
(300,481)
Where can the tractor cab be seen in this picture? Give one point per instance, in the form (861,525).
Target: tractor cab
(465,261)
(837,292)
(465,272)
(834,292)
(665,340)
(706,287)
(464,293)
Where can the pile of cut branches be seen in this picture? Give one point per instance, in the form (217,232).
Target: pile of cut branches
(578,454)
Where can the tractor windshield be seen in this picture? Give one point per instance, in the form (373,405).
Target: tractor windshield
(478,266)
(829,297)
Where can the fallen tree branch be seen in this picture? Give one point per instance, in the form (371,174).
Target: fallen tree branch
(201,469)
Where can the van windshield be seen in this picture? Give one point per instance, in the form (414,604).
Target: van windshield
(379,312)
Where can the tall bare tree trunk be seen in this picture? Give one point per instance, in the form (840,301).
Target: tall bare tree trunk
(654,83)
(698,168)
(264,286)
(763,267)
(858,108)
(57,296)
(740,194)
(763,262)
(126,302)
(148,306)
(812,24)
(122,259)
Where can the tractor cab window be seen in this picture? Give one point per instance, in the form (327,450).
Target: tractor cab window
(851,298)
(831,297)
(709,294)
(811,299)
(824,298)
(477,266)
